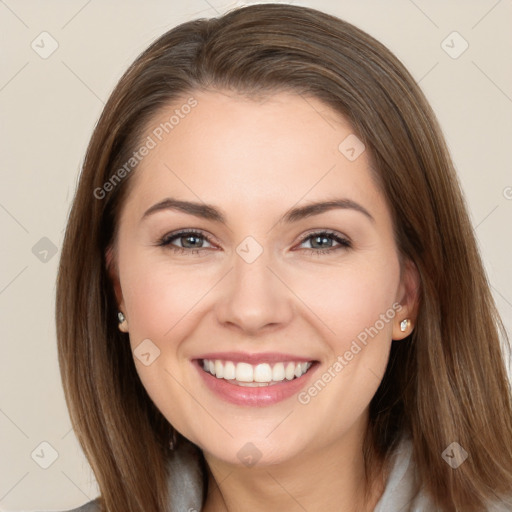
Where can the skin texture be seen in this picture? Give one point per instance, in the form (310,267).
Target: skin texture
(254,160)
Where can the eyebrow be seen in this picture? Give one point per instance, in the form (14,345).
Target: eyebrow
(210,212)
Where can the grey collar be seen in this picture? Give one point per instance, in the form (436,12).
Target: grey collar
(185,482)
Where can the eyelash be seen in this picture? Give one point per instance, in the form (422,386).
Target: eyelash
(167,239)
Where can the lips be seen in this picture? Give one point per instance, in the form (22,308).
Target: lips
(254,379)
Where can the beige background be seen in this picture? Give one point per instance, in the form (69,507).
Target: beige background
(50,105)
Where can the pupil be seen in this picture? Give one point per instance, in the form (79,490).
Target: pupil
(191,237)
(322,238)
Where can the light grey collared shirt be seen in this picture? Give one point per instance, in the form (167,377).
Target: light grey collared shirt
(399,494)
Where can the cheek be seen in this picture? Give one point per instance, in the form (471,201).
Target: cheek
(356,304)
(357,307)
(351,298)
(160,300)
(159,296)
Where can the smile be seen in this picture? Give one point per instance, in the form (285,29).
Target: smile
(263,374)
(254,380)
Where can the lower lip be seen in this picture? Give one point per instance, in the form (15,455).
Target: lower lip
(254,396)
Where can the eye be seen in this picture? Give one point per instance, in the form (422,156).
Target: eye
(322,242)
(190,241)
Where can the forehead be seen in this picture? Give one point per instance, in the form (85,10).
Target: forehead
(251,153)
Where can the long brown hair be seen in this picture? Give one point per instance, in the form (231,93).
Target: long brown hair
(445,383)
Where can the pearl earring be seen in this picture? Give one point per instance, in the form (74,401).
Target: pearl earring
(123,324)
(404,324)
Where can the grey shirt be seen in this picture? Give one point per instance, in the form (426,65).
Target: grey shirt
(399,495)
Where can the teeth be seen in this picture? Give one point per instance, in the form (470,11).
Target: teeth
(255,384)
(218,369)
(278,372)
(289,373)
(229,372)
(262,374)
(244,372)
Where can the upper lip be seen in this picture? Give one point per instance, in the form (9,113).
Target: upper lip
(263,357)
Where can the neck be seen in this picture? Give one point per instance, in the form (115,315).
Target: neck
(330,478)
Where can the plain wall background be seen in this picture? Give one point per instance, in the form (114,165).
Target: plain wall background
(49,107)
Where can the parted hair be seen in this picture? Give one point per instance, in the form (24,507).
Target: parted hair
(446,382)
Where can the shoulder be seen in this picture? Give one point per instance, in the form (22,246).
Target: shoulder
(91,506)
(400,492)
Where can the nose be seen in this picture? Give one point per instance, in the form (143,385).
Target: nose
(254,297)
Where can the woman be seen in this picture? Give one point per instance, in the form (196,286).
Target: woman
(270,295)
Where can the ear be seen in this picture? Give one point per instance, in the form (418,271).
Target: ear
(408,298)
(113,273)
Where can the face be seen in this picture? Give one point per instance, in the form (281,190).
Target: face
(254,284)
